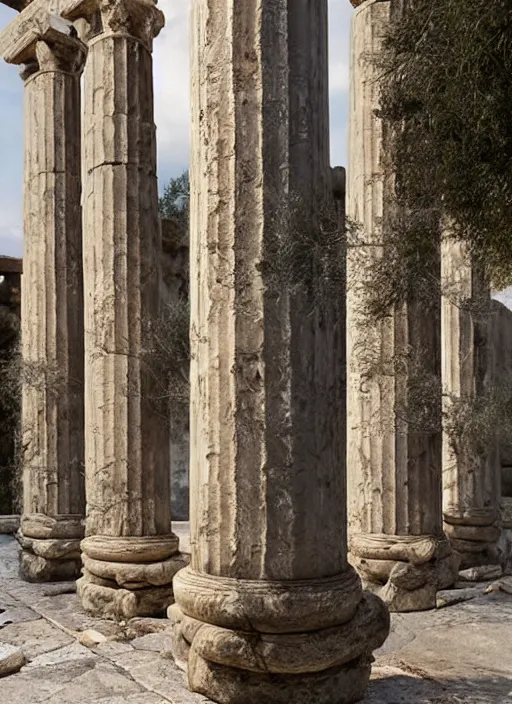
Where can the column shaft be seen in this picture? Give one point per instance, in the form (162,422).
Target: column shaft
(471,472)
(267,484)
(394,462)
(130,553)
(52,308)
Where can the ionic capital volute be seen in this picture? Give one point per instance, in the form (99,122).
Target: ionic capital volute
(48,45)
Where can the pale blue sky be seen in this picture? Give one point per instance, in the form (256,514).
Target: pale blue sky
(171,108)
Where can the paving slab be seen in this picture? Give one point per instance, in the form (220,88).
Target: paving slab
(66,610)
(74,682)
(391,685)
(35,686)
(59,656)
(9,561)
(36,637)
(159,675)
(142,698)
(13,611)
(157,642)
(62,609)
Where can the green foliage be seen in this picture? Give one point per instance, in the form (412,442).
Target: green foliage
(446,86)
(175,201)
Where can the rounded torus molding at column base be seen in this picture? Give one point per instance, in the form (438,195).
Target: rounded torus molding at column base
(474,534)
(64,527)
(50,547)
(406,572)
(9,525)
(244,641)
(227,685)
(124,577)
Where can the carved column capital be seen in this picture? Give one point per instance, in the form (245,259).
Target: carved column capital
(140,19)
(48,46)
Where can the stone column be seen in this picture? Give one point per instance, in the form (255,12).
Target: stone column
(394,466)
(471,470)
(129,554)
(51,301)
(269,609)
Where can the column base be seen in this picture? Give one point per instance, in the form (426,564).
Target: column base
(505,541)
(225,685)
(129,576)
(50,547)
(246,641)
(474,535)
(406,572)
(9,524)
(34,568)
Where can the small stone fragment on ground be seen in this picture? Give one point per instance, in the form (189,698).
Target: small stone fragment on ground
(481,573)
(447,597)
(91,638)
(12,659)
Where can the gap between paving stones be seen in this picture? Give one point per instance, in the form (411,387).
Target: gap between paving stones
(138,658)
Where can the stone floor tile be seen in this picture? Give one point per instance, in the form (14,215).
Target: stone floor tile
(157,642)
(32,686)
(59,656)
(36,637)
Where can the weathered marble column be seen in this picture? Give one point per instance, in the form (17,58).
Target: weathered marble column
(129,554)
(51,299)
(396,534)
(471,468)
(269,610)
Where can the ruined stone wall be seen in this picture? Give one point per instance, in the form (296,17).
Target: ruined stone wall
(174,286)
(10,285)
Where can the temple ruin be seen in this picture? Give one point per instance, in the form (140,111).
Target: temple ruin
(316,506)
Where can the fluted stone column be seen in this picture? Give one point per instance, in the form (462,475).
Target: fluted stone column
(394,468)
(130,553)
(471,473)
(269,610)
(51,300)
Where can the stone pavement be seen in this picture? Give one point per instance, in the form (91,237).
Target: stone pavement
(456,655)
